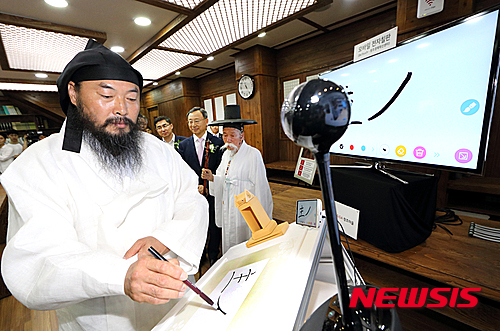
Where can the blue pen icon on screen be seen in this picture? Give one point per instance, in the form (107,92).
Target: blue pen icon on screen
(469,107)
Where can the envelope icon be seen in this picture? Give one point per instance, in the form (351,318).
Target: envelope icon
(463,156)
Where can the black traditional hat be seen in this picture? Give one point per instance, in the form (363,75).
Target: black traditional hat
(96,62)
(232,118)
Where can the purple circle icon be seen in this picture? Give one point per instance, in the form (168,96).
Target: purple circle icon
(463,155)
(419,152)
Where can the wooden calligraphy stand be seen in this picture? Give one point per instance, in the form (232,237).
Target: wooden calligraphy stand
(262,227)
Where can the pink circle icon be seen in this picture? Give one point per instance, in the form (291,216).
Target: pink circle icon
(419,152)
(463,155)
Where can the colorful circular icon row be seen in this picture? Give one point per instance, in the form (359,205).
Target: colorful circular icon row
(463,155)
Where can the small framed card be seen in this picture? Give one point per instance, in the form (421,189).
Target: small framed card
(308,212)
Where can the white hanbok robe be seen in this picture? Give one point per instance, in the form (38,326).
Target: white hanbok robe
(70,224)
(246,172)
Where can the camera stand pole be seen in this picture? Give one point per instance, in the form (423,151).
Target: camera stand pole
(323,161)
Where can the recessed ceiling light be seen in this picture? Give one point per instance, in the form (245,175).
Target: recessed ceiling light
(41,75)
(262,34)
(57,3)
(155,83)
(210,58)
(117,49)
(177,73)
(142,21)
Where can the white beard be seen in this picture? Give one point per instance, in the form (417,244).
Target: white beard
(232,151)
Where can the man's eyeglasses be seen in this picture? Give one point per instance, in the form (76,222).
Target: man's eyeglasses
(194,121)
(164,126)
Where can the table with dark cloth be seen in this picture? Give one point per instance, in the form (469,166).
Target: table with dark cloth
(393,216)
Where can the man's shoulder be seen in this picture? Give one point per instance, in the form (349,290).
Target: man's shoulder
(186,145)
(253,151)
(180,138)
(214,139)
(185,141)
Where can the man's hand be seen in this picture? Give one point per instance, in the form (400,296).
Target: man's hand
(201,189)
(141,247)
(207,174)
(154,281)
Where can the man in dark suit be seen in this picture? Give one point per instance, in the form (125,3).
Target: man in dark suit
(203,150)
(216,131)
(165,129)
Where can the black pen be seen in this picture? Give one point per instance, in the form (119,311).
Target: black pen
(205,297)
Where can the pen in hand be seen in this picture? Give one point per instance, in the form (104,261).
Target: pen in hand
(157,255)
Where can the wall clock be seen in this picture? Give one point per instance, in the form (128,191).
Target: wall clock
(246,87)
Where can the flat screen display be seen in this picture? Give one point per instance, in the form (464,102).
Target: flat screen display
(433,96)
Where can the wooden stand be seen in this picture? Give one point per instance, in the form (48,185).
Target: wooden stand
(256,217)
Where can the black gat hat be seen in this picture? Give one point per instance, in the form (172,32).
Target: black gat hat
(232,118)
(96,62)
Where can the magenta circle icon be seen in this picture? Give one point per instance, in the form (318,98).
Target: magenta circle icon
(463,155)
(419,152)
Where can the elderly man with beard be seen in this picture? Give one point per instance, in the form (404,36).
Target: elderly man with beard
(87,203)
(240,169)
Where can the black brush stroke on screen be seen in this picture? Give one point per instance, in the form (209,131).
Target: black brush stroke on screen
(441,116)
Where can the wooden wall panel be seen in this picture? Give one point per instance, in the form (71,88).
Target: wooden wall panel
(176,110)
(164,93)
(271,124)
(409,25)
(483,4)
(173,100)
(176,89)
(329,50)
(260,62)
(257,60)
(262,108)
(250,109)
(222,82)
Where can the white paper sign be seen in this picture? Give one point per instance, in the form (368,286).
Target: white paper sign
(229,295)
(375,45)
(349,218)
(305,167)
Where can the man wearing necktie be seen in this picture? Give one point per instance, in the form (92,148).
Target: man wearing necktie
(202,150)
